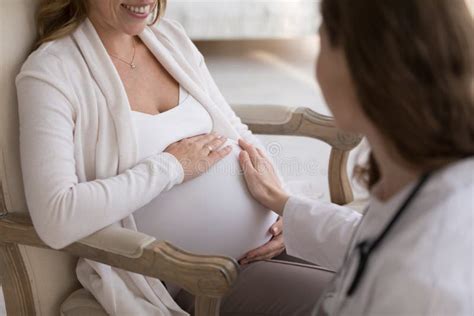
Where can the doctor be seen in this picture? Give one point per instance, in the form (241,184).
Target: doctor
(402,74)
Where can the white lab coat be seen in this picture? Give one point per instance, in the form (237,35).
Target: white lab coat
(425,264)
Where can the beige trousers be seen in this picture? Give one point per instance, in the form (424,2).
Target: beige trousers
(283,286)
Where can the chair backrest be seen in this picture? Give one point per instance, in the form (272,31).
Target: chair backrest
(47,275)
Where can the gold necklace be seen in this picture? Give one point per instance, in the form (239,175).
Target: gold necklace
(131,64)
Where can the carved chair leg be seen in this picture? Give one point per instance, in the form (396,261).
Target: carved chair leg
(16,286)
(207,306)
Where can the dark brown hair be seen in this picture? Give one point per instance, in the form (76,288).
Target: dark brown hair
(58,18)
(412,63)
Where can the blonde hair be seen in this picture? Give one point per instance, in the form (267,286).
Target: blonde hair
(58,18)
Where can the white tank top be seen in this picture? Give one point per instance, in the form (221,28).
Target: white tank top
(211,214)
(156,132)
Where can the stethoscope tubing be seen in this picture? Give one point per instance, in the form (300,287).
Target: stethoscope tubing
(367,247)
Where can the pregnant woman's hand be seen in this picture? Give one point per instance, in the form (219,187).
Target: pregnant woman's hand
(261,178)
(197,154)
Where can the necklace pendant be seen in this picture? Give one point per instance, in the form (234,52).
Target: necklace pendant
(133,66)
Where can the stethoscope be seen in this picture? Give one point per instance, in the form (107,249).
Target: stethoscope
(366,247)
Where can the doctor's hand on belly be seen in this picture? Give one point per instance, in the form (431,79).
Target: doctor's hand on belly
(266,188)
(258,229)
(197,154)
(261,178)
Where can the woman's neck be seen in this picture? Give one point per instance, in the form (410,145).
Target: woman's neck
(114,41)
(395,174)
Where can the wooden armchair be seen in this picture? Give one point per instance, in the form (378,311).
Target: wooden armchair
(36,280)
(207,277)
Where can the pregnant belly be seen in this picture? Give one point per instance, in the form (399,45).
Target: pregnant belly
(212,214)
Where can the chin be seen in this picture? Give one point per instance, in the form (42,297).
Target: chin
(135,30)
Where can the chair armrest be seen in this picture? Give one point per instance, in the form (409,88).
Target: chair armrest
(209,276)
(302,121)
(297,121)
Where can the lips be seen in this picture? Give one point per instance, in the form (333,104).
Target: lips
(138,10)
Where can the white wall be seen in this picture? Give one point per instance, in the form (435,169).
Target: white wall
(244,19)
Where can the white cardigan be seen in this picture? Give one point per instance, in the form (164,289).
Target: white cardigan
(79,150)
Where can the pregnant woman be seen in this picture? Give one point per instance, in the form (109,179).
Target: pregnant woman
(122,124)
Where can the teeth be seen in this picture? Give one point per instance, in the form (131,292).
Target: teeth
(138,9)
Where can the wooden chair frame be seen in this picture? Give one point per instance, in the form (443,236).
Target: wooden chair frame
(209,278)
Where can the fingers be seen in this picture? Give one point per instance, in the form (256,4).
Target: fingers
(252,152)
(261,153)
(245,163)
(277,228)
(254,156)
(257,156)
(217,155)
(265,251)
(271,249)
(244,144)
(208,142)
(215,143)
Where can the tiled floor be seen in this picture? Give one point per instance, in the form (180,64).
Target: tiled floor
(274,72)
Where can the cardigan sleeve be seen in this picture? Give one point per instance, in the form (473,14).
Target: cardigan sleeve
(318,232)
(64,210)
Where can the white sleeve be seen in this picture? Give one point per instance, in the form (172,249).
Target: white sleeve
(318,232)
(62,209)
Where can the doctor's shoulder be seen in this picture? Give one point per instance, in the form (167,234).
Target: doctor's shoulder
(445,209)
(424,266)
(427,264)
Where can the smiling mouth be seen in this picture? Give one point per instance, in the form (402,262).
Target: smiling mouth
(142,10)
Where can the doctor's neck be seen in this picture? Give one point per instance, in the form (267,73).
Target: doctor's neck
(395,173)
